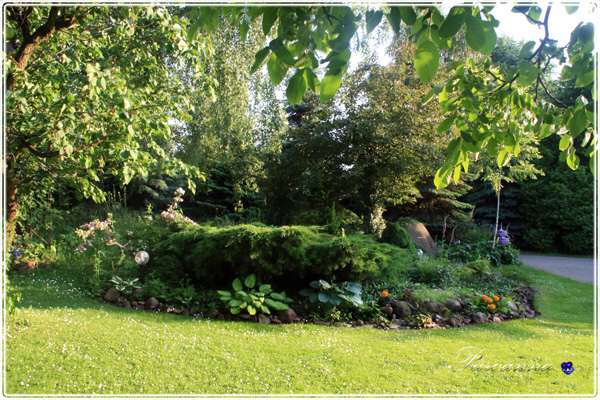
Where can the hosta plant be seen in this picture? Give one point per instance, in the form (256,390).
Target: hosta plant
(331,295)
(126,286)
(245,299)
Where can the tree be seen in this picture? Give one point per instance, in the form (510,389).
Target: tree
(89,92)
(489,105)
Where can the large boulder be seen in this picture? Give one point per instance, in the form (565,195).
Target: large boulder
(151,303)
(480,318)
(112,294)
(401,308)
(512,306)
(434,307)
(287,316)
(453,305)
(421,237)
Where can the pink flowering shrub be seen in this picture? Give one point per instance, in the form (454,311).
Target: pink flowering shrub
(173,212)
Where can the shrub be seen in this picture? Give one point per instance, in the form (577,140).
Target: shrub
(431,272)
(290,255)
(398,236)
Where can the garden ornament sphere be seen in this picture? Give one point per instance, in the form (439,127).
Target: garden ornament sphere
(142,258)
(420,252)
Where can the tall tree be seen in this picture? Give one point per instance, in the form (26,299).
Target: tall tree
(89,92)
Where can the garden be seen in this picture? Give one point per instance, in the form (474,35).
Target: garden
(178,224)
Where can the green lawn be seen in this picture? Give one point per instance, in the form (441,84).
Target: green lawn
(61,342)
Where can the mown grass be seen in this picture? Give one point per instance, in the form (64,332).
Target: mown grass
(61,342)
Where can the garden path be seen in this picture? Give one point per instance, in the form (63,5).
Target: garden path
(579,269)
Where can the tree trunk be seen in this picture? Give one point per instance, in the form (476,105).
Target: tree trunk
(12,206)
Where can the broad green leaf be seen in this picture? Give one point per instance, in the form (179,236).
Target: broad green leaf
(528,73)
(565,142)
(427,60)
(442,176)
(251,310)
(571,9)
(235,310)
(223,293)
(453,22)
(235,303)
(296,87)
(259,59)
(268,19)
(265,310)
(442,43)
(237,285)
(446,124)
(527,48)
(330,84)
(503,157)
(573,160)
(283,54)
(305,292)
(323,297)
(490,38)
(373,19)
(586,78)
(244,31)
(103,83)
(408,15)
(206,15)
(193,31)
(394,19)
(534,13)
(476,35)
(313,298)
(276,71)
(577,123)
(266,288)
(250,281)
(313,81)
(277,296)
(315,284)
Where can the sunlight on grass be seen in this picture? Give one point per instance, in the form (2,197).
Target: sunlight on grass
(61,342)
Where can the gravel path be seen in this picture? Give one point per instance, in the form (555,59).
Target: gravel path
(579,269)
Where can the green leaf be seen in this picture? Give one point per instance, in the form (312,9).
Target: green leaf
(277,296)
(573,160)
(442,43)
(306,292)
(492,147)
(223,293)
(126,104)
(586,78)
(427,60)
(323,297)
(296,87)
(330,84)
(577,123)
(313,81)
(373,19)
(313,298)
(237,285)
(264,288)
(571,9)
(265,310)
(453,22)
(250,281)
(394,19)
(259,59)
(565,142)
(206,15)
(235,303)
(193,31)
(408,15)
(446,124)
(534,14)
(244,31)
(283,54)
(251,310)
(103,83)
(276,71)
(476,36)
(503,157)
(235,310)
(528,73)
(456,175)
(268,19)
(490,38)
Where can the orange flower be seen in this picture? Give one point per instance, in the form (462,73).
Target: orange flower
(483,297)
(384,293)
(496,298)
(489,300)
(492,307)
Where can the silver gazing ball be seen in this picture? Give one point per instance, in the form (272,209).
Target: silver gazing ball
(142,258)
(419,252)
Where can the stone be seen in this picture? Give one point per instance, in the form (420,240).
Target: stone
(496,319)
(453,305)
(342,324)
(434,307)
(212,314)
(401,308)
(138,291)
(111,294)
(140,306)
(396,324)
(529,314)
(263,319)
(322,323)
(178,310)
(193,311)
(387,310)
(134,304)
(480,318)
(454,322)
(186,311)
(287,316)
(275,321)
(358,323)
(126,304)
(421,237)
(220,317)
(151,303)
(512,306)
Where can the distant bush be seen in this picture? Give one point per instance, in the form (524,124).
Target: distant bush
(398,236)
(290,256)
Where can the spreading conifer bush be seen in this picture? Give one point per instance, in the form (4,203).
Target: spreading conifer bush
(290,256)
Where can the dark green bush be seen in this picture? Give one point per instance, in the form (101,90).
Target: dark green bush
(290,256)
(398,236)
(432,273)
(465,253)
